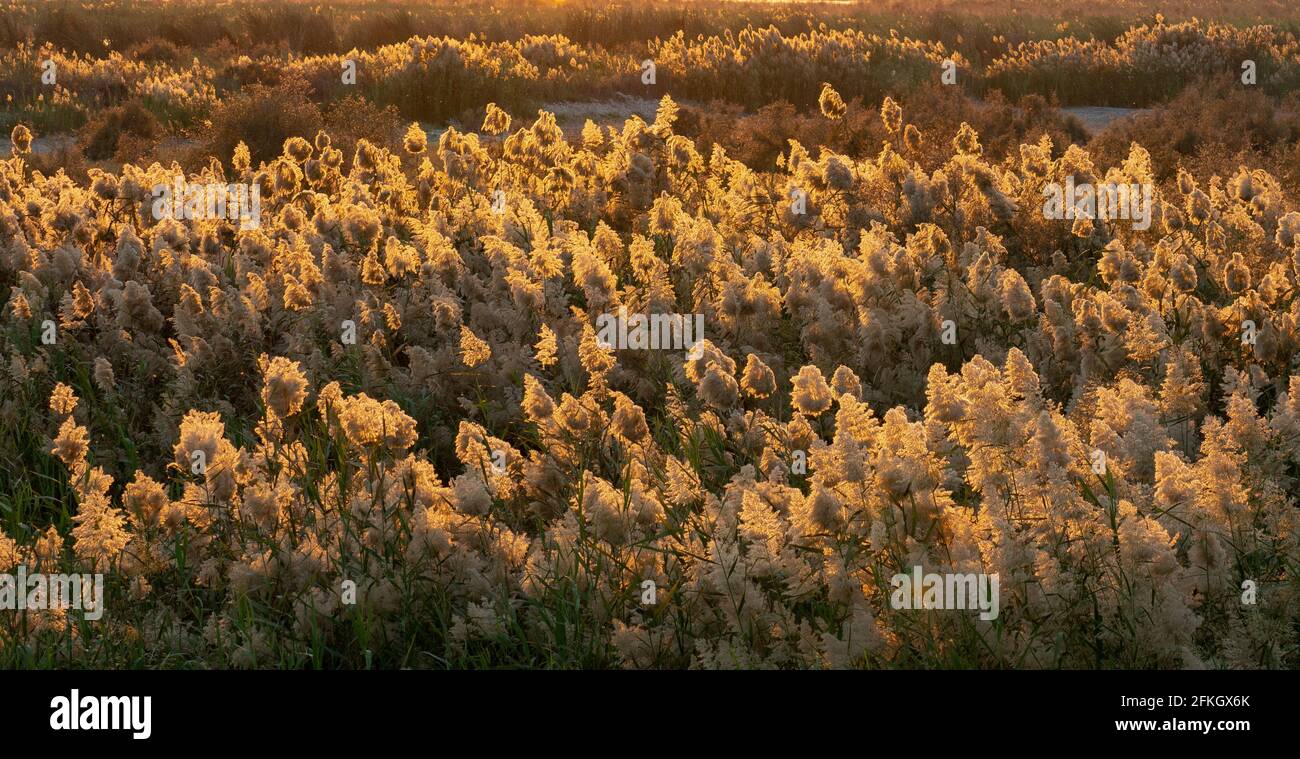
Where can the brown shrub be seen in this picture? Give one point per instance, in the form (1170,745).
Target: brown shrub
(62,154)
(938,112)
(263,118)
(354,118)
(155,50)
(103,136)
(1211,129)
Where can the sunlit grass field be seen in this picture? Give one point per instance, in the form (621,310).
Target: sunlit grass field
(319,335)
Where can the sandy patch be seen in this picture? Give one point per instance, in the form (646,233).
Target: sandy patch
(1096,118)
